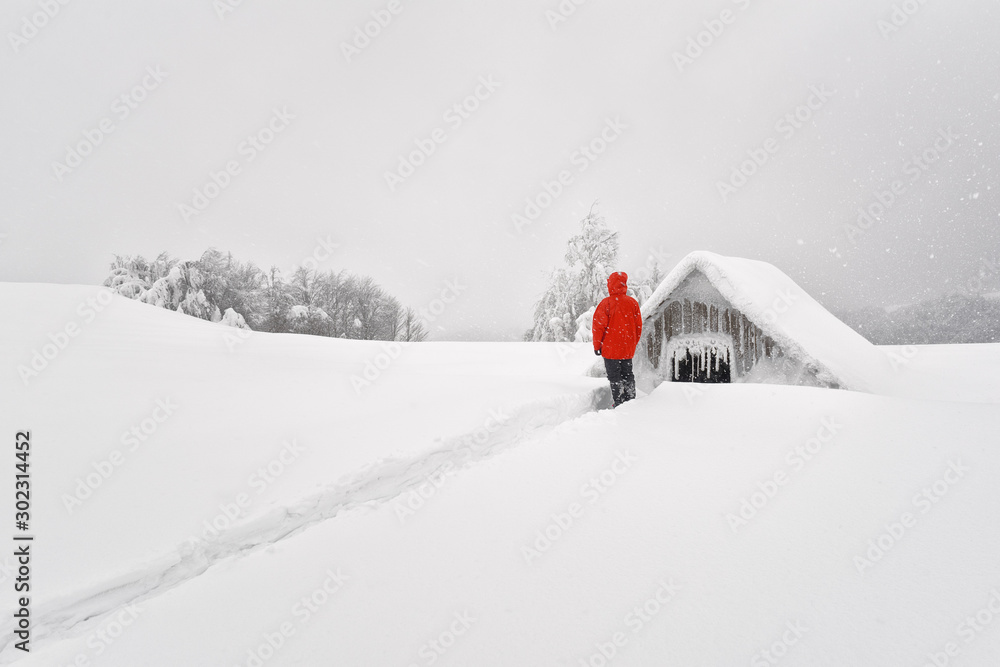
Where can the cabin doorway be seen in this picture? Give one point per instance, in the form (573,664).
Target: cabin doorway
(703,357)
(692,370)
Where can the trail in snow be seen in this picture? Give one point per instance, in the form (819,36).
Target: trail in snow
(375,484)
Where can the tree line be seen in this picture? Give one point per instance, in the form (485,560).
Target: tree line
(950,318)
(219,288)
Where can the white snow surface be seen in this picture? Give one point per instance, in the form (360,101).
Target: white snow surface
(786,313)
(406,525)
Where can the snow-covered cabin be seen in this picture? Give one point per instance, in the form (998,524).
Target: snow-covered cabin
(727,319)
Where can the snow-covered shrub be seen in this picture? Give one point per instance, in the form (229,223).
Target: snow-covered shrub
(233,319)
(584,326)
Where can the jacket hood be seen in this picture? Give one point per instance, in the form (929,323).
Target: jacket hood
(617,283)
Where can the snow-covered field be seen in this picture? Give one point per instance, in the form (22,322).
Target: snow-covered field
(203,498)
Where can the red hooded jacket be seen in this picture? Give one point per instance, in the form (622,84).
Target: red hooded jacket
(617,321)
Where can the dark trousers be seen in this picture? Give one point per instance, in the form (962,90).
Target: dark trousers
(622,380)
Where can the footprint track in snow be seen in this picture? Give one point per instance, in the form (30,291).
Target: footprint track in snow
(373,485)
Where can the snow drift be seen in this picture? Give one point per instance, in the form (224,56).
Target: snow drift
(474,505)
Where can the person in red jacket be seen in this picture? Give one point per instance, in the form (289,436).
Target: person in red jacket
(616,328)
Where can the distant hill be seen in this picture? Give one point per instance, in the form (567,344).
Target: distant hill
(954,318)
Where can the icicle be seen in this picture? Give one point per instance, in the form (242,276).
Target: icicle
(704,352)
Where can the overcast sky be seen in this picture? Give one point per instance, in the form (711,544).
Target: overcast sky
(198,81)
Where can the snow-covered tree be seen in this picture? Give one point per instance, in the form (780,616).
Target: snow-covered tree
(584,326)
(580,285)
(365,309)
(132,275)
(168,283)
(552,306)
(180,290)
(196,304)
(645,281)
(591,257)
(309,320)
(411,326)
(277,301)
(233,319)
(231,284)
(328,292)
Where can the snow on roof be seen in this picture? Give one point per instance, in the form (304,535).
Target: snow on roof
(784,311)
